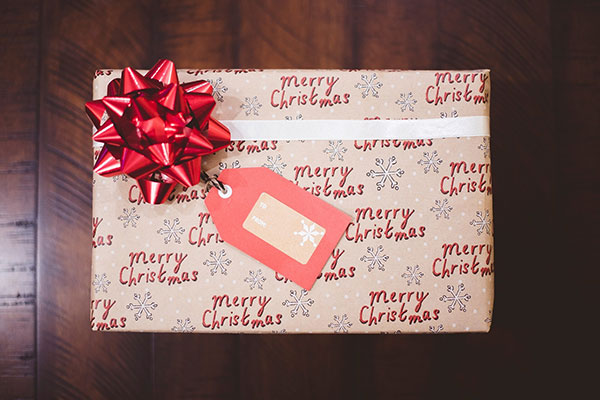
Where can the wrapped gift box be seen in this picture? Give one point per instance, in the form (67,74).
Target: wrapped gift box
(405,153)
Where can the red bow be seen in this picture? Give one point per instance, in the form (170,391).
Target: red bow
(157,130)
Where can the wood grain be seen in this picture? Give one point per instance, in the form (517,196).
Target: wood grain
(544,58)
(19,33)
(294,34)
(576,67)
(73,362)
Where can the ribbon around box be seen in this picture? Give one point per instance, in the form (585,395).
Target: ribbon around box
(157,130)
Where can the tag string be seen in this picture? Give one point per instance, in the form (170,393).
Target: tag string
(212,180)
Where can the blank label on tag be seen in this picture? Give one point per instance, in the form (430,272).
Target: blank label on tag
(276,222)
(284,228)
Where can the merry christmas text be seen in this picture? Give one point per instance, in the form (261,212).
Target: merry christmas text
(247,311)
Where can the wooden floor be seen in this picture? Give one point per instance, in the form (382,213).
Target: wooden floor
(544,57)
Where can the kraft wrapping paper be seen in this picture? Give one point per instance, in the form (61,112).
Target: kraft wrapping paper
(418,256)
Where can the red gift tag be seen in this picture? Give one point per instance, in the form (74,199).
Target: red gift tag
(276,222)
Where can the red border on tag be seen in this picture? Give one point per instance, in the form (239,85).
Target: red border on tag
(247,184)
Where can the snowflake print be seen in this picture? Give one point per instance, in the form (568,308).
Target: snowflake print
(103,119)
(406,101)
(438,329)
(340,324)
(123,178)
(255,279)
(453,114)
(335,149)
(101,282)
(482,222)
(218,88)
(171,231)
(413,275)
(309,233)
(441,208)
(369,85)
(456,298)
(129,217)
(143,306)
(298,303)
(275,164)
(386,173)
(217,262)
(485,146)
(183,325)
(488,320)
(290,118)
(251,105)
(430,161)
(375,258)
(234,164)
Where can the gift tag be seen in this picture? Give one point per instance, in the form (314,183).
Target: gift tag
(276,222)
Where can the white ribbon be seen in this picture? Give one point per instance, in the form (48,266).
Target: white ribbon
(326,129)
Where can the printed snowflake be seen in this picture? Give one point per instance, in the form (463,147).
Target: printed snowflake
(275,164)
(290,118)
(142,306)
(171,231)
(217,262)
(103,119)
(438,329)
(255,279)
(183,325)
(101,282)
(386,173)
(442,208)
(488,320)
(340,323)
(369,85)
(309,233)
(485,146)
(430,161)
(482,222)
(405,101)
(456,298)
(335,149)
(251,105)
(123,178)
(129,217)
(218,88)
(453,114)
(234,164)
(413,275)
(298,302)
(375,258)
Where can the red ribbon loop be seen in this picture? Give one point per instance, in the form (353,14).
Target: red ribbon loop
(157,130)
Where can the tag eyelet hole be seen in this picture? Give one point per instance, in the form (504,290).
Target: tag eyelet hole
(227,193)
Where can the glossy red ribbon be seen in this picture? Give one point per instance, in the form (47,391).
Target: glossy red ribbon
(157,130)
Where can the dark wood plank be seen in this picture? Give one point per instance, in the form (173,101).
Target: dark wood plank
(394,34)
(73,362)
(294,34)
(19,31)
(19,52)
(513,40)
(576,63)
(197,35)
